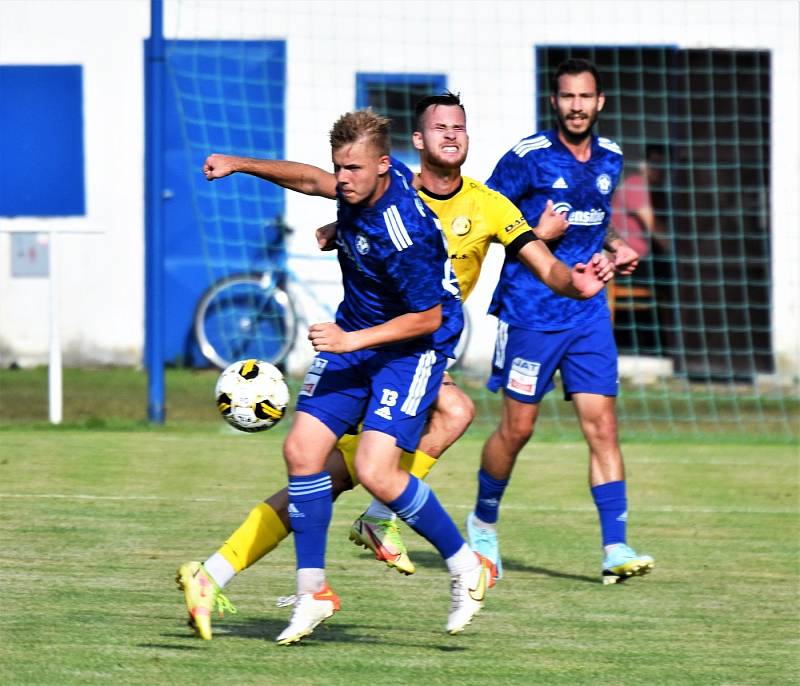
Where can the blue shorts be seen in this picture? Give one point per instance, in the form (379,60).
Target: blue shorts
(525,361)
(390,390)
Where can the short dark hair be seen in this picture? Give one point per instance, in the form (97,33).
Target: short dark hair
(574,66)
(447,99)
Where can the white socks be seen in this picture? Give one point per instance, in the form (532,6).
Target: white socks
(464,560)
(310,580)
(380,511)
(219,569)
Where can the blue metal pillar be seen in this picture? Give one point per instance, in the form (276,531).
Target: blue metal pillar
(154,235)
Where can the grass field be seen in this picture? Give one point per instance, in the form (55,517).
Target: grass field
(96,516)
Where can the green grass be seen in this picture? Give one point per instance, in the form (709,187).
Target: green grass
(116,398)
(96,522)
(110,397)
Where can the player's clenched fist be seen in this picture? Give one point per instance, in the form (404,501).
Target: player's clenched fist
(216,166)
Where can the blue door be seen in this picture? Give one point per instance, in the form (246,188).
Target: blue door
(225,97)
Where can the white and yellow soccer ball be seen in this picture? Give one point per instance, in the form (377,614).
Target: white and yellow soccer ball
(251,395)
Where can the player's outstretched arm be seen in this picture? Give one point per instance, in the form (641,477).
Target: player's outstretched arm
(296,176)
(329,337)
(551,224)
(580,283)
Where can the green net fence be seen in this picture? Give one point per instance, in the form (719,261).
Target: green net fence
(705,328)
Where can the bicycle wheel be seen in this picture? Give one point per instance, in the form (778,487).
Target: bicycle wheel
(245,316)
(463,342)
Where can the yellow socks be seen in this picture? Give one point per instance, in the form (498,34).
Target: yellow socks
(262,530)
(418,464)
(258,534)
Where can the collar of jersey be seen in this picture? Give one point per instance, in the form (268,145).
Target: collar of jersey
(436,196)
(563,148)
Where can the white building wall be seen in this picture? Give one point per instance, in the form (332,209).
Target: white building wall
(101,299)
(486,49)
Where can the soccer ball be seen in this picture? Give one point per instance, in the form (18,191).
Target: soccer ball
(251,395)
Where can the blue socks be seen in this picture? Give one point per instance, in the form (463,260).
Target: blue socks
(418,507)
(310,509)
(612,507)
(490,492)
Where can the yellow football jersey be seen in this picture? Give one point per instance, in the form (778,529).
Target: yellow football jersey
(472,218)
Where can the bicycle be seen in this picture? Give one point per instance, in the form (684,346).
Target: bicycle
(251,315)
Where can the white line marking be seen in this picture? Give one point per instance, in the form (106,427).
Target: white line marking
(687,509)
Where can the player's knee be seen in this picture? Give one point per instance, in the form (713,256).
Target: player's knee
(295,455)
(291,451)
(516,432)
(370,478)
(604,436)
(457,414)
(463,412)
(379,481)
(601,433)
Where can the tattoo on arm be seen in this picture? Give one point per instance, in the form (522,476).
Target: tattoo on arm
(611,236)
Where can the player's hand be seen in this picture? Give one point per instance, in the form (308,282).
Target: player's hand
(326,237)
(603,267)
(329,337)
(587,279)
(216,166)
(625,259)
(551,224)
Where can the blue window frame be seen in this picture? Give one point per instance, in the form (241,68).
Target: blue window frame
(394,96)
(41,139)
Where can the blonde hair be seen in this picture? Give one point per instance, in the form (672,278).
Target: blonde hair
(354,126)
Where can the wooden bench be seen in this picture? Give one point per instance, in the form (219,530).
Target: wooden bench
(628,297)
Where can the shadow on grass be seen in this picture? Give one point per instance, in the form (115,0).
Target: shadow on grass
(431,560)
(266,629)
(513,565)
(172,646)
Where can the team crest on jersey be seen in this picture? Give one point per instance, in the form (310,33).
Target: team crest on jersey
(362,244)
(461,226)
(603,184)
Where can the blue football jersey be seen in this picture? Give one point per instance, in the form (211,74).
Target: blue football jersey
(394,261)
(540,168)
(405,172)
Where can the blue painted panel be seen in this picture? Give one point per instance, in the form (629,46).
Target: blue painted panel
(41,140)
(226,97)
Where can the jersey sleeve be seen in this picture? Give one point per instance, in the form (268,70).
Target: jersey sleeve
(508,221)
(512,176)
